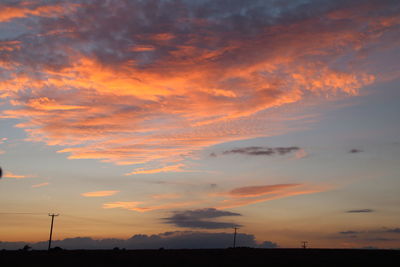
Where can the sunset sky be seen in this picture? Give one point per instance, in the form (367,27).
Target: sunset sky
(180,119)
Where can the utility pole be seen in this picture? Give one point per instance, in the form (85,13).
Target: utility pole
(234,237)
(304,244)
(52,215)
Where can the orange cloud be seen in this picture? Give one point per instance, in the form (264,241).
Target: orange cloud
(10,12)
(45,103)
(142,48)
(9,45)
(100,193)
(156,98)
(171,168)
(166,196)
(16,176)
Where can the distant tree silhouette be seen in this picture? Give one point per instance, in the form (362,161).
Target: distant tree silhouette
(26,248)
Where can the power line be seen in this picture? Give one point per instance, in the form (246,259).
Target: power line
(23,213)
(74,217)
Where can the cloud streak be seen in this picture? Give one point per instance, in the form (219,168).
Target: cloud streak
(100,193)
(141,206)
(248,195)
(170,168)
(16,176)
(255,191)
(262,151)
(40,185)
(360,211)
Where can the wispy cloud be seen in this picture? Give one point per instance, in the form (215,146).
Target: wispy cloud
(166,196)
(244,196)
(170,168)
(40,185)
(236,197)
(142,206)
(200,218)
(255,191)
(100,193)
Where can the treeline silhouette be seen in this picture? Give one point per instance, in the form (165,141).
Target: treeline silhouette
(201,257)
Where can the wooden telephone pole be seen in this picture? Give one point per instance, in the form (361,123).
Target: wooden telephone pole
(52,215)
(234,237)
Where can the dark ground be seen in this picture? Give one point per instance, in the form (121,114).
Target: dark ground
(203,257)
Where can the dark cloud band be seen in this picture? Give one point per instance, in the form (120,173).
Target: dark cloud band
(360,211)
(200,219)
(259,151)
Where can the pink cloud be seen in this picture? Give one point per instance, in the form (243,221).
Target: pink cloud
(254,191)
(250,195)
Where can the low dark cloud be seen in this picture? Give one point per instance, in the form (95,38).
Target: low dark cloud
(371,235)
(268,244)
(200,219)
(260,151)
(355,150)
(369,247)
(377,239)
(360,211)
(394,230)
(168,240)
(349,232)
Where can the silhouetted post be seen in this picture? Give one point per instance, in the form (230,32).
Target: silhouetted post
(51,227)
(234,237)
(304,244)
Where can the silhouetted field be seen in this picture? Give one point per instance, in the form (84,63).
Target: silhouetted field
(203,257)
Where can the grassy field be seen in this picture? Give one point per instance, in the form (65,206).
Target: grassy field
(203,257)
